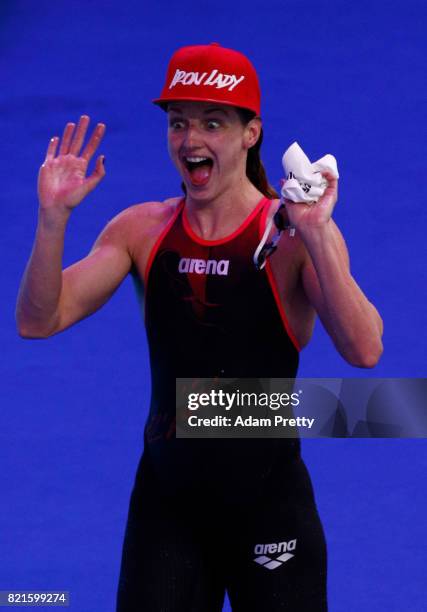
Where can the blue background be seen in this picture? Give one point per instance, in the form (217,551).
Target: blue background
(338,77)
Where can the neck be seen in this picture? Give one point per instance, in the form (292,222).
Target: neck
(213,218)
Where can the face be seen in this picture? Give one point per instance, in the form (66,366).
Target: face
(208,144)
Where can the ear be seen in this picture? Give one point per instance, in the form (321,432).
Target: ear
(252,132)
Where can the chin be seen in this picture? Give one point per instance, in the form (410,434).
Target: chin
(199,193)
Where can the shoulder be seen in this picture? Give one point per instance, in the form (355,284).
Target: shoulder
(147,213)
(141,219)
(138,226)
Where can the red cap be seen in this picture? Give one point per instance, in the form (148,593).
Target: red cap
(211,73)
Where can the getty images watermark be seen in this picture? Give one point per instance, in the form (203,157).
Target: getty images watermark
(230,402)
(303,407)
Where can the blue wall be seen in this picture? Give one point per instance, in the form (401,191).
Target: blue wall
(347,79)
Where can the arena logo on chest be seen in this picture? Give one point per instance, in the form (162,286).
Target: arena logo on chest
(203,266)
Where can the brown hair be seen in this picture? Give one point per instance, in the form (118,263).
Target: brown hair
(255,170)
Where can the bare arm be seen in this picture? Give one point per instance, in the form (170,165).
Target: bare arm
(41,284)
(50,299)
(352,322)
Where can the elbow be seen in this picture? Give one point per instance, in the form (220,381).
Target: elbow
(32,332)
(367,358)
(368,361)
(28,334)
(33,328)
(23,330)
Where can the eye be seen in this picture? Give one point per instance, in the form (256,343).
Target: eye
(176,124)
(213,124)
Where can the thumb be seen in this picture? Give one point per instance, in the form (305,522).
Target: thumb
(98,173)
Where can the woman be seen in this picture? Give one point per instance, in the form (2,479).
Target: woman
(208,515)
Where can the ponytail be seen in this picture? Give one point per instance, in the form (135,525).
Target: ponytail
(256,173)
(255,170)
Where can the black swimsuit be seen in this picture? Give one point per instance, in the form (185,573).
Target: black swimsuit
(202,510)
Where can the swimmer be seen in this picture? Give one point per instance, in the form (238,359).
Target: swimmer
(208,516)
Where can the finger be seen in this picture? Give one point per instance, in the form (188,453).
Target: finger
(66,138)
(94,141)
(51,149)
(97,174)
(329,176)
(332,180)
(79,135)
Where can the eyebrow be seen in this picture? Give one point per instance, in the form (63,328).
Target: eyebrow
(213,109)
(216,109)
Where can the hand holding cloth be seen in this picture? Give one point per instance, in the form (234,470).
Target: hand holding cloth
(304,181)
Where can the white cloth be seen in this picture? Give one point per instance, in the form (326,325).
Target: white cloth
(304,182)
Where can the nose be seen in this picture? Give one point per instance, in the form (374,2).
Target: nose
(192,137)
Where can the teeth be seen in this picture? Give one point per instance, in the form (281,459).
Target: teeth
(196,159)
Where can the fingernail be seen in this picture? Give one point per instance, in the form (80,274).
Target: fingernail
(103,160)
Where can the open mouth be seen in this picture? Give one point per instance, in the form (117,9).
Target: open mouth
(199,169)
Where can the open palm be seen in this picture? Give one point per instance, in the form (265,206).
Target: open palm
(62,181)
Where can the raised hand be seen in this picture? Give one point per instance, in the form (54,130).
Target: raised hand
(62,180)
(307,216)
